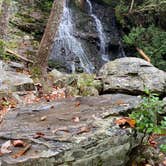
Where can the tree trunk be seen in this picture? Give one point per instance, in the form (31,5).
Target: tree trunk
(141,52)
(48,38)
(4,18)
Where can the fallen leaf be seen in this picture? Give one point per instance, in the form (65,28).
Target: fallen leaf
(77,104)
(5,147)
(38,135)
(22,151)
(1,154)
(152,141)
(18,143)
(123,121)
(76,119)
(83,129)
(43,118)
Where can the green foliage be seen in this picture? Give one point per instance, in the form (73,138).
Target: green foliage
(147,116)
(152,41)
(134,36)
(119,10)
(163,148)
(45,5)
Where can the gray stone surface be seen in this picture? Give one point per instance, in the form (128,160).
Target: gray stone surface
(66,142)
(11,80)
(132,75)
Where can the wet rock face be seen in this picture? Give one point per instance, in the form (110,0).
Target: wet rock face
(85,31)
(93,140)
(132,75)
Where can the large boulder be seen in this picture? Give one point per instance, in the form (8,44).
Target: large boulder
(132,75)
(77,131)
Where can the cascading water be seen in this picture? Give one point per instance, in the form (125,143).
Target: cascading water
(100,31)
(67,46)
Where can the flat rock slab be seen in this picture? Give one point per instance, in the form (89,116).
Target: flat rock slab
(77,131)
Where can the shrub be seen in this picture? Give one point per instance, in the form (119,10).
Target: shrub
(152,41)
(147,116)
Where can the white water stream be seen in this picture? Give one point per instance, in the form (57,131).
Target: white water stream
(66,43)
(100,31)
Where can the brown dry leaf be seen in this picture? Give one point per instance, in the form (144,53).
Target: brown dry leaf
(43,118)
(76,119)
(5,148)
(38,135)
(22,151)
(1,154)
(77,104)
(13,103)
(83,129)
(18,143)
(124,121)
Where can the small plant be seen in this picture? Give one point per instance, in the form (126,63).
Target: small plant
(163,148)
(147,116)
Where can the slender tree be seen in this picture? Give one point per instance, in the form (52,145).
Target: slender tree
(46,44)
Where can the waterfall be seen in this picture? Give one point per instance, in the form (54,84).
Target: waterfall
(67,46)
(100,31)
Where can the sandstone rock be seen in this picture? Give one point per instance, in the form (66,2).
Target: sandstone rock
(132,75)
(94,140)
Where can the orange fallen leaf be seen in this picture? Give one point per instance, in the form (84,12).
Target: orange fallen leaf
(22,151)
(124,121)
(18,143)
